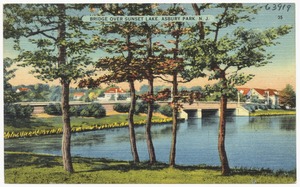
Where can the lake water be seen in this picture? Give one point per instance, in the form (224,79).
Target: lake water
(251,142)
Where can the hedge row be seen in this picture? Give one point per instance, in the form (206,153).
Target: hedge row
(141,107)
(254,107)
(9,135)
(91,110)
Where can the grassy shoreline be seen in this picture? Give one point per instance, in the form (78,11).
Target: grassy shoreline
(273,112)
(33,168)
(50,125)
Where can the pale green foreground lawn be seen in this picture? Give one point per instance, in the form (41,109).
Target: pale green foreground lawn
(33,168)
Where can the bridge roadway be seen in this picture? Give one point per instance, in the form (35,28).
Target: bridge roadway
(195,110)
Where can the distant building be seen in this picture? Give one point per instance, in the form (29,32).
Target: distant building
(78,95)
(114,94)
(22,90)
(268,96)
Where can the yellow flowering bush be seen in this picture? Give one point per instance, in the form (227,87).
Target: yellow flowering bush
(23,134)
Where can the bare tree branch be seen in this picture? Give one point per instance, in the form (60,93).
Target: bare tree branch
(38,31)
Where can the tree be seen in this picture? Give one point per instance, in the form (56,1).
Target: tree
(55,93)
(144,89)
(149,65)
(58,50)
(124,65)
(224,55)
(287,96)
(172,66)
(10,96)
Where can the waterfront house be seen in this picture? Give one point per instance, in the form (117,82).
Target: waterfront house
(267,96)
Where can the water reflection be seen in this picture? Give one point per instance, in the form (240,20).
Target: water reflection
(288,123)
(268,142)
(87,138)
(193,124)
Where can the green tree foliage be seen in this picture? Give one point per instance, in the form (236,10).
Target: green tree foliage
(287,97)
(121,107)
(16,111)
(55,93)
(173,66)
(10,96)
(51,39)
(12,111)
(53,109)
(124,47)
(141,107)
(166,110)
(225,55)
(92,110)
(37,92)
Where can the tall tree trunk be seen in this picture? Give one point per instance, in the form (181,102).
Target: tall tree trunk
(174,120)
(66,139)
(131,123)
(175,104)
(151,151)
(221,138)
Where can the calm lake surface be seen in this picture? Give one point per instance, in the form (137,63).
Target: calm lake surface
(251,142)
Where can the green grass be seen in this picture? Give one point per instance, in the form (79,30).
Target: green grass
(46,123)
(44,169)
(273,112)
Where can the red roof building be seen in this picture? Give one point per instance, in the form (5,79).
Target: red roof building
(78,95)
(114,93)
(115,90)
(271,96)
(244,91)
(22,90)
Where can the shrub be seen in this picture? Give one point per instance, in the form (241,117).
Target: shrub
(249,107)
(9,111)
(18,111)
(166,110)
(263,107)
(74,111)
(121,97)
(141,107)
(24,111)
(122,108)
(53,109)
(92,110)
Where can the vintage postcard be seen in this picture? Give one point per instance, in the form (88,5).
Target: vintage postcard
(149,93)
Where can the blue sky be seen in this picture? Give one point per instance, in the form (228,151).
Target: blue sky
(276,75)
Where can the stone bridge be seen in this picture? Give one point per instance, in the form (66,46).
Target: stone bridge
(206,109)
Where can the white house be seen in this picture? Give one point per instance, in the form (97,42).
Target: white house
(113,94)
(271,96)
